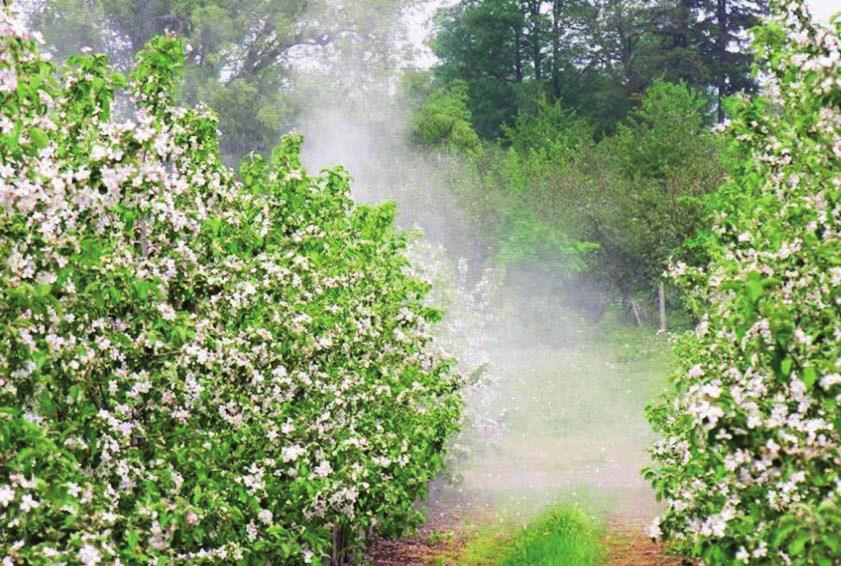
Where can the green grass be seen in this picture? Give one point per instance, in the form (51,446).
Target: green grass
(563,535)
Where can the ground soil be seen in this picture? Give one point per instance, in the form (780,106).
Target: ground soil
(627,545)
(572,430)
(420,550)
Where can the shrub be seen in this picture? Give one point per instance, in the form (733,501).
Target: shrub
(444,120)
(750,460)
(562,534)
(194,367)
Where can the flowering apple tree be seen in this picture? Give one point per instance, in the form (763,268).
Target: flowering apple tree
(194,365)
(749,463)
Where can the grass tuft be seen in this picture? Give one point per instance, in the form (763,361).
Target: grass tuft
(563,535)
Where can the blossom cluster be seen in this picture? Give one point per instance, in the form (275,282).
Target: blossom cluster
(194,365)
(749,463)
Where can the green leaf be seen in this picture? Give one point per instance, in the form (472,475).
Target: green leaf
(133,539)
(754,289)
(39,137)
(785,367)
(809,376)
(796,546)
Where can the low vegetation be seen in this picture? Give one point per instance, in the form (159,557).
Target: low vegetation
(564,534)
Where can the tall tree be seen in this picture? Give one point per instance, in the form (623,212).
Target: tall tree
(637,193)
(536,21)
(484,44)
(557,11)
(582,52)
(596,56)
(704,42)
(674,54)
(243,51)
(724,35)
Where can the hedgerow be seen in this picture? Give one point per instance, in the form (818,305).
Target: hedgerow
(750,460)
(196,365)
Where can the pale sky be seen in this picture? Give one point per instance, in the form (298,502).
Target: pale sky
(823,9)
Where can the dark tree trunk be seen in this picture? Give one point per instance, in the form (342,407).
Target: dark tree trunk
(518,55)
(627,55)
(721,54)
(625,297)
(684,23)
(148,17)
(338,552)
(536,54)
(556,48)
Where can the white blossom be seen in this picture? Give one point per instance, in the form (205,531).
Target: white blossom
(7,495)
(89,555)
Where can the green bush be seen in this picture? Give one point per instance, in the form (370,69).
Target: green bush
(561,535)
(194,367)
(750,460)
(444,120)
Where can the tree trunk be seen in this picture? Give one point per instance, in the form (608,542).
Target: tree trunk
(148,20)
(556,49)
(661,291)
(684,26)
(626,35)
(637,312)
(339,546)
(518,55)
(625,298)
(628,44)
(535,39)
(721,52)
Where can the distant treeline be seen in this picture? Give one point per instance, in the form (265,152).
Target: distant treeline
(589,128)
(594,56)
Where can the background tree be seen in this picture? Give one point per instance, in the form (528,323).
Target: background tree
(609,212)
(637,194)
(662,162)
(595,56)
(483,44)
(444,120)
(244,52)
(721,32)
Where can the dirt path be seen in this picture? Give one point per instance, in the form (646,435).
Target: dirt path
(626,545)
(422,550)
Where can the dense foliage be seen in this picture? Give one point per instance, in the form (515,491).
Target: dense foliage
(635,194)
(593,56)
(194,367)
(444,120)
(613,210)
(750,460)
